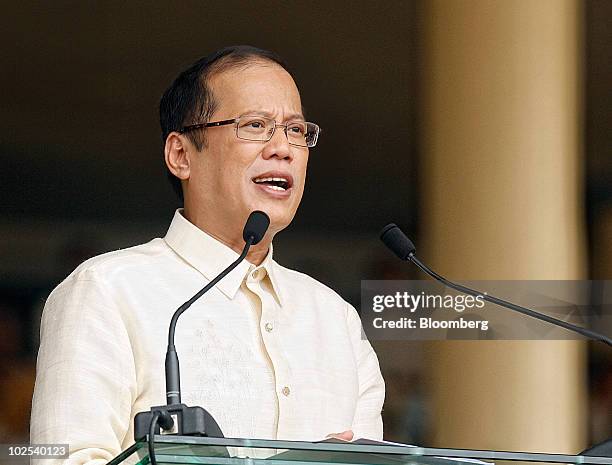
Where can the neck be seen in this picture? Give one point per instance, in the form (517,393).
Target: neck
(231,236)
(257,253)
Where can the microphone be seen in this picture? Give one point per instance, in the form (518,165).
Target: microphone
(395,239)
(255,228)
(253,232)
(175,417)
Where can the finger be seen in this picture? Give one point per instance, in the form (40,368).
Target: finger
(345,435)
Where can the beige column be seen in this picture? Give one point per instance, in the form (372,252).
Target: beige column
(501,199)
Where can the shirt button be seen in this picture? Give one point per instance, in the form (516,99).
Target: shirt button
(269,327)
(258,274)
(286,391)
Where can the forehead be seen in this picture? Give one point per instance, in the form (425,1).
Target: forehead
(265,87)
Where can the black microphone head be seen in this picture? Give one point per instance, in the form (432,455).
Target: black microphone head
(256,226)
(397,241)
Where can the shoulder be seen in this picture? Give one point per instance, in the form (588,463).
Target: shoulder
(305,282)
(122,259)
(93,299)
(118,264)
(294,283)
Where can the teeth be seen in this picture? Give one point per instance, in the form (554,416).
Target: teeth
(270,179)
(276,188)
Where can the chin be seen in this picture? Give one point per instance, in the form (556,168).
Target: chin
(279,218)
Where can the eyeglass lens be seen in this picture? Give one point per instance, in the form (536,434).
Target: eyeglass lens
(258,128)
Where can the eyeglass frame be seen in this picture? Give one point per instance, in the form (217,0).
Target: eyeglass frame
(225,122)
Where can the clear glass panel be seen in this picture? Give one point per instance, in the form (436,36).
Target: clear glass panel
(191,450)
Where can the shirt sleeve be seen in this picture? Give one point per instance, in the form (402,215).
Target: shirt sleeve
(85,374)
(367,422)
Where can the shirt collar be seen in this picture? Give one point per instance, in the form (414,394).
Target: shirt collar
(272,269)
(210,256)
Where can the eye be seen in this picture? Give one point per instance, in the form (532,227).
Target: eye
(253,124)
(297,128)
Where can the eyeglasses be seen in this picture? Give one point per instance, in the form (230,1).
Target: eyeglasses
(260,128)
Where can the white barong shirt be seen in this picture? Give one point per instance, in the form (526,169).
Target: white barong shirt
(271,353)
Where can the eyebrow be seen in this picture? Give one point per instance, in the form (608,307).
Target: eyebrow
(267,114)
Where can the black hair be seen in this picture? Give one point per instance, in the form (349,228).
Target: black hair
(189,99)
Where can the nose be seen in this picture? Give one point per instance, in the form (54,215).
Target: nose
(278,146)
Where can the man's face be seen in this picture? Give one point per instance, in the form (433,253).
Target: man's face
(222,176)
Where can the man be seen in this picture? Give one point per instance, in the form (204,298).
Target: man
(269,352)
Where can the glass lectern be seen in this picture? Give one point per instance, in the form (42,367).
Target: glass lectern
(226,451)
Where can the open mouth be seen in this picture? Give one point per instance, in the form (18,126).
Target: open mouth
(277,183)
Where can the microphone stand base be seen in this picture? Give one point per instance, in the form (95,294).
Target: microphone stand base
(188,421)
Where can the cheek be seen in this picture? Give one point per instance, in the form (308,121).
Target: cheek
(237,174)
(302,171)
(298,194)
(229,165)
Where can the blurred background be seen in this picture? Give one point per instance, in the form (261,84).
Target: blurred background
(481,126)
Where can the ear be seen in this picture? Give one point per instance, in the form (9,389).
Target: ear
(176,155)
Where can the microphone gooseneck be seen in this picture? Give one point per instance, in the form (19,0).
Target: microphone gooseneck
(173,376)
(254,231)
(175,417)
(395,239)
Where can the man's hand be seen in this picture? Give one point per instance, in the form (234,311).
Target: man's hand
(345,435)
